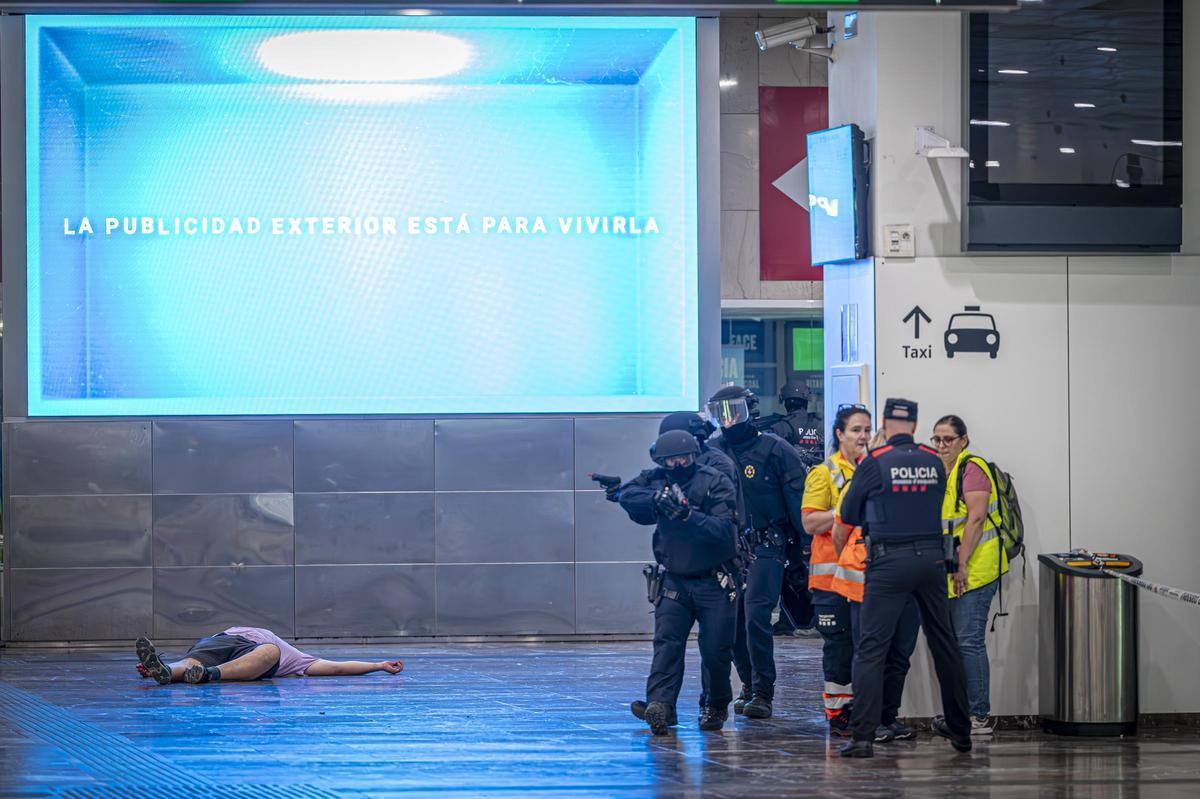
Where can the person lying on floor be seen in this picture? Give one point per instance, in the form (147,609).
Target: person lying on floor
(247,653)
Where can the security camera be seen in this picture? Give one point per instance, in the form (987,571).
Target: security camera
(794,32)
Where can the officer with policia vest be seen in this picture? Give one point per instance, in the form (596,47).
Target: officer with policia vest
(771,483)
(851,428)
(696,578)
(896,498)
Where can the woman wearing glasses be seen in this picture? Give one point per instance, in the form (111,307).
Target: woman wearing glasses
(823,489)
(969,513)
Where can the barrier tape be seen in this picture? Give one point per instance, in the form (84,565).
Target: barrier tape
(1154,588)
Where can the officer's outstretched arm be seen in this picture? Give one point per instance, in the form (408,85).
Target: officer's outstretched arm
(637,498)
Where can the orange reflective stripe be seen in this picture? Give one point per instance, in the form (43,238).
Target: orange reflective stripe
(849,579)
(822,564)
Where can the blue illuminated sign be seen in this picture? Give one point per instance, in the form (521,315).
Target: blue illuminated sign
(360,215)
(837,195)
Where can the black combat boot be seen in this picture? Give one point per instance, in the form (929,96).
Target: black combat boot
(739,704)
(758,708)
(638,709)
(712,718)
(857,749)
(659,716)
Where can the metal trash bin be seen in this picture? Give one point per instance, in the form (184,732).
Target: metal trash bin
(1087,639)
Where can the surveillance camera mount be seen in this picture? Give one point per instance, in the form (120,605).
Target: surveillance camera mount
(931,144)
(824,52)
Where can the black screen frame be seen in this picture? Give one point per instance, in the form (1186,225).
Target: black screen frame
(980,192)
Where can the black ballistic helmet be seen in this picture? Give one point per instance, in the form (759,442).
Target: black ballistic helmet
(793,390)
(686,420)
(672,443)
(723,404)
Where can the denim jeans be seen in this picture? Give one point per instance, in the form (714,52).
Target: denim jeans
(969,614)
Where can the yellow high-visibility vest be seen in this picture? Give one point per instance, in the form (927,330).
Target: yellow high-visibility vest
(988,561)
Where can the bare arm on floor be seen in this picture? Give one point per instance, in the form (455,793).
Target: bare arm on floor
(351,668)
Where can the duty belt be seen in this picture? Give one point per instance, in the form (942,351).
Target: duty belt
(880,548)
(767,535)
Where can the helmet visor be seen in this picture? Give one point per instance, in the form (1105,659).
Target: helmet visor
(727,413)
(677,461)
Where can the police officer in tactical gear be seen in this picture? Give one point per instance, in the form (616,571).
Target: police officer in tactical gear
(771,483)
(700,428)
(896,497)
(797,426)
(695,544)
(803,431)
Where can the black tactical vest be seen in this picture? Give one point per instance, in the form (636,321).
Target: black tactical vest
(909,506)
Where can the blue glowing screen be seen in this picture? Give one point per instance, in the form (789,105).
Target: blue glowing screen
(833,211)
(343,215)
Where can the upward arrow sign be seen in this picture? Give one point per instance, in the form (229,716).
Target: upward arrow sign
(915,316)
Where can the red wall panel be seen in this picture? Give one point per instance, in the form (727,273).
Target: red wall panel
(786,116)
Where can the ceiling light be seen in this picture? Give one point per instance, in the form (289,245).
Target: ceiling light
(991,164)
(1107,49)
(1067,150)
(1152,143)
(374,56)
(1085,105)
(990,123)
(1013,71)
(727,83)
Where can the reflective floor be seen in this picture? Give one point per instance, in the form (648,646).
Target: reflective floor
(501,720)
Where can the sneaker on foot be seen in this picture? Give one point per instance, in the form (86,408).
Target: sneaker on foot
(739,704)
(839,725)
(151,662)
(982,725)
(940,727)
(195,674)
(712,718)
(638,709)
(758,708)
(902,731)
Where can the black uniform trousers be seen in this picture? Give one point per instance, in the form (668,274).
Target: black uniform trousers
(899,655)
(833,622)
(795,602)
(703,600)
(754,649)
(896,572)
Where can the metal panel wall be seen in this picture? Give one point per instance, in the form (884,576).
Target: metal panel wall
(315,527)
(359,528)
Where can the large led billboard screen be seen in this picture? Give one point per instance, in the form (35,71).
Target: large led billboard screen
(360,215)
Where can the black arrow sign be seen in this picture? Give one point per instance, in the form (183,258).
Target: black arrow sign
(916,315)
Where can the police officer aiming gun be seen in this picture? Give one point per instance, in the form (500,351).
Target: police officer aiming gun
(771,478)
(692,509)
(896,498)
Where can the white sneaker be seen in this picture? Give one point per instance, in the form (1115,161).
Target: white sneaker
(982,725)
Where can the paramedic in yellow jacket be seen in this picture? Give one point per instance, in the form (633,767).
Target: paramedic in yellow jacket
(969,514)
(823,489)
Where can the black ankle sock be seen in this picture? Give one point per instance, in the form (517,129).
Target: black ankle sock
(212,674)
